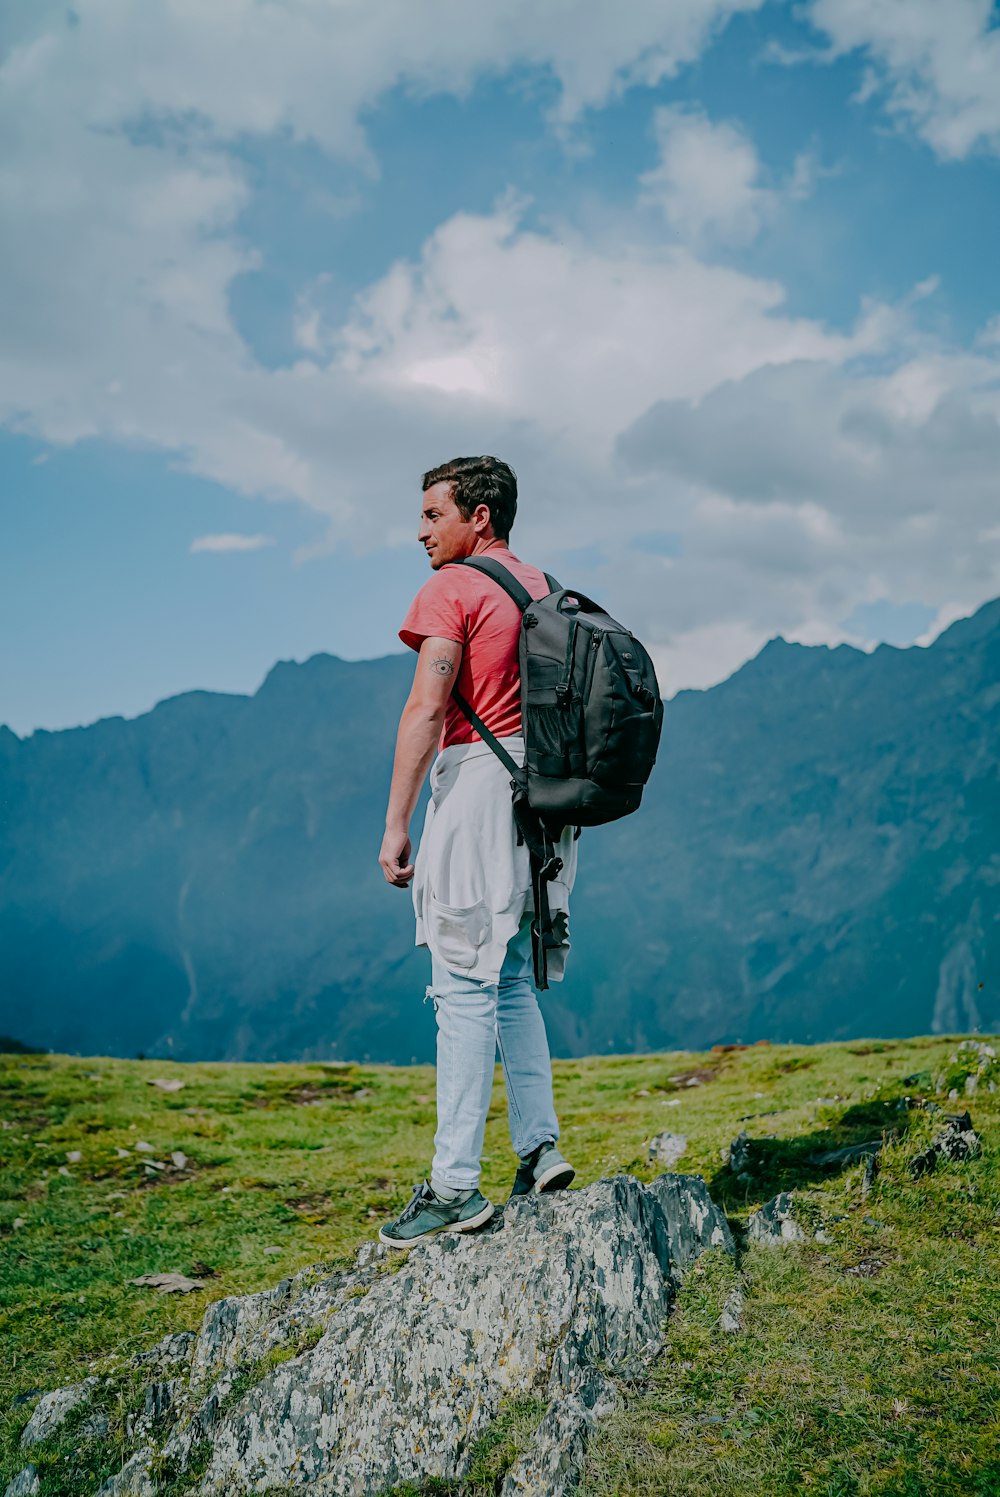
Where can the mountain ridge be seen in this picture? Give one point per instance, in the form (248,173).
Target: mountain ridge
(327,655)
(813,859)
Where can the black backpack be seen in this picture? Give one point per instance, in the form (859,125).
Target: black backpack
(591,716)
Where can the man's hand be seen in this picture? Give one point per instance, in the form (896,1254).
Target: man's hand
(394,857)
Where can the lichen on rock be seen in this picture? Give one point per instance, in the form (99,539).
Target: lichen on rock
(775,1222)
(52,1409)
(27,1483)
(362,1380)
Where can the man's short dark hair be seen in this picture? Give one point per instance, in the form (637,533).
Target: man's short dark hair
(480,480)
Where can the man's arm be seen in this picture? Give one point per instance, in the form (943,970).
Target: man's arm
(416,741)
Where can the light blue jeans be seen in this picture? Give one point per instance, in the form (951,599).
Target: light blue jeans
(474,1019)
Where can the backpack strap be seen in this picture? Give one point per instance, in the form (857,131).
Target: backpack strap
(505,578)
(500,574)
(544,863)
(518,777)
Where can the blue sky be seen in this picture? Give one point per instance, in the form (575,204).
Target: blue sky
(717,277)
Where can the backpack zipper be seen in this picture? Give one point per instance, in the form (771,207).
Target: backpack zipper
(588,676)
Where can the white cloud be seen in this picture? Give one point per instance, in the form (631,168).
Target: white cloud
(801,482)
(709,183)
(121,199)
(313,66)
(695,658)
(230,541)
(813,488)
(807,471)
(937,61)
(550,327)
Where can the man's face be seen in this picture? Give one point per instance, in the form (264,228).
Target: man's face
(444,533)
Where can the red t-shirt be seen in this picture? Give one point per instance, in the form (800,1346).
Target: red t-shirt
(462,604)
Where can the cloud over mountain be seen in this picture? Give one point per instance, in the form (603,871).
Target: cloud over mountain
(631,353)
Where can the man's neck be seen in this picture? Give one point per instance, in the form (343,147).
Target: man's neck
(493,544)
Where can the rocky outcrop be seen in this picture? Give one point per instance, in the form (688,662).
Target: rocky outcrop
(775,1222)
(52,1408)
(359,1381)
(26,1483)
(738,1155)
(553,1464)
(694,1222)
(957,1141)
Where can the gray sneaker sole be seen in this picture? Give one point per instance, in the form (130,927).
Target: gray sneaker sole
(466,1226)
(556,1177)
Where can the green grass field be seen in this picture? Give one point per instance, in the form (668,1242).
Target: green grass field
(868,1362)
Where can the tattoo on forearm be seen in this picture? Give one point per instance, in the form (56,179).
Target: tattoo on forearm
(443,666)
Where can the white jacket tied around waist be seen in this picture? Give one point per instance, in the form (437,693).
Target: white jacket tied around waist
(472,882)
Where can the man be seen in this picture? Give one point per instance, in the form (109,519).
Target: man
(471,879)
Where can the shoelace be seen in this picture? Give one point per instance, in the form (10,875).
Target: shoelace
(416,1200)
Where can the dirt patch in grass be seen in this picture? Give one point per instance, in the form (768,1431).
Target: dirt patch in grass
(30,1121)
(865,1268)
(314,1208)
(201,1270)
(696,1077)
(737,1049)
(311,1096)
(340,1086)
(793,1063)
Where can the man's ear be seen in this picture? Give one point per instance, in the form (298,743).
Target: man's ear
(482,519)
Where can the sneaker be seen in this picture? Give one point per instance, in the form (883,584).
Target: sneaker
(427,1213)
(543,1169)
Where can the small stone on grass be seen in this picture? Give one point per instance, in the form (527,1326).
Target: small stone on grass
(667,1148)
(731,1319)
(167,1283)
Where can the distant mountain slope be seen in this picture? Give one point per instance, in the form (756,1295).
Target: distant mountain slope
(817,857)
(821,851)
